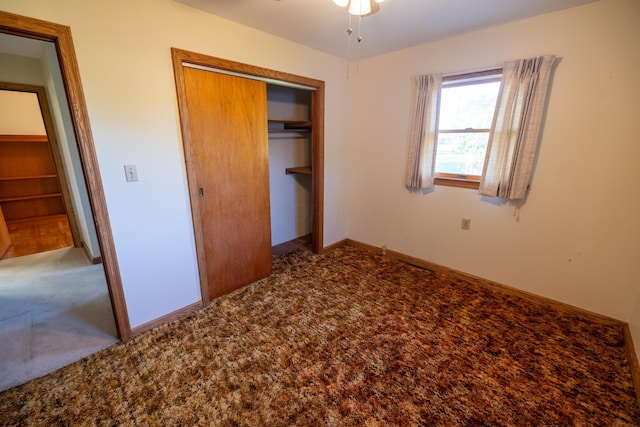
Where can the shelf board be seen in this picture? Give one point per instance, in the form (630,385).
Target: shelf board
(32,197)
(291,125)
(20,178)
(50,217)
(24,138)
(306,170)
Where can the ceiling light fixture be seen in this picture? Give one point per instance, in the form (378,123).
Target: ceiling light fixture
(360,7)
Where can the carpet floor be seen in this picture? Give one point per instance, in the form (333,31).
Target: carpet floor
(349,338)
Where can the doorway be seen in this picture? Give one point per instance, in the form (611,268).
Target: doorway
(59,36)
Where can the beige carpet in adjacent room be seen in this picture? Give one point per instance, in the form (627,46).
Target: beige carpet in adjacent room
(54,310)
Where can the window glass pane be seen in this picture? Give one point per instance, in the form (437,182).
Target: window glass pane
(469,106)
(461,153)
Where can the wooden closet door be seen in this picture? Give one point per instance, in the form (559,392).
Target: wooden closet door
(229,150)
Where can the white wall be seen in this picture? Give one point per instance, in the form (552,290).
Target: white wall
(123,51)
(577,237)
(20,114)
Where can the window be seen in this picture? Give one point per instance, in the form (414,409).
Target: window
(466,110)
(454,134)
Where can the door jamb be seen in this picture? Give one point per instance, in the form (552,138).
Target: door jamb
(60,36)
(179,57)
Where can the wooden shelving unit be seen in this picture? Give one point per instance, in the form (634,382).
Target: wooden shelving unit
(29,185)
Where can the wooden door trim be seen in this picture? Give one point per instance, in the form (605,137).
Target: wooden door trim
(180,56)
(5,238)
(40,92)
(60,36)
(317,168)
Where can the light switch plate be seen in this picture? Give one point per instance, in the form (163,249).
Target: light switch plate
(131,173)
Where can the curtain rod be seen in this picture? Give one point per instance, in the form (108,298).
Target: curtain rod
(476,73)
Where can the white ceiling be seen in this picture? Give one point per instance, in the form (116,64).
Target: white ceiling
(321,24)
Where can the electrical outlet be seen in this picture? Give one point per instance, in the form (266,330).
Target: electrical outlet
(131,173)
(466,224)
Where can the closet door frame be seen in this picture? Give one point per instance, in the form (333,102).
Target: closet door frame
(181,57)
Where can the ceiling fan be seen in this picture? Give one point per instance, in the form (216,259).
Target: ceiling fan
(360,7)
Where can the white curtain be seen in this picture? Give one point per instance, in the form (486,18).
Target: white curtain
(422,143)
(516,128)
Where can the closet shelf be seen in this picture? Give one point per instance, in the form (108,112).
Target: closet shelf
(23,138)
(306,170)
(20,178)
(290,125)
(33,197)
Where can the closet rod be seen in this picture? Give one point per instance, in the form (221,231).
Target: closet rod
(248,76)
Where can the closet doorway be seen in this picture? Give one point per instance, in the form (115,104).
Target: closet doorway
(196,76)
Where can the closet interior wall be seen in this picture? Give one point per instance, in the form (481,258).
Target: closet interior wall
(289,113)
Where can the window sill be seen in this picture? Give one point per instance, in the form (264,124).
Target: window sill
(458,181)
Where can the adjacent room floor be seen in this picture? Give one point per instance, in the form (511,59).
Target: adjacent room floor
(31,236)
(54,309)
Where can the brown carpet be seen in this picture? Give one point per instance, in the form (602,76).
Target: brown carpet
(348,339)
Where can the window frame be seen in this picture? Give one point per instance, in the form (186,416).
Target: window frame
(456,80)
